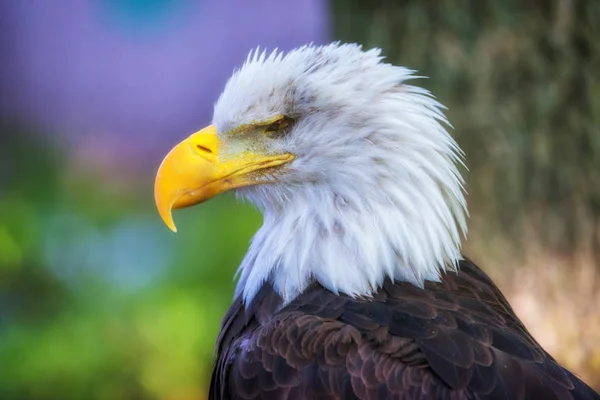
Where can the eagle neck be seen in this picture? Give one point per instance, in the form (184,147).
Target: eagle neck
(348,243)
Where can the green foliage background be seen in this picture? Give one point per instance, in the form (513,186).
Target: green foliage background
(77,333)
(522,83)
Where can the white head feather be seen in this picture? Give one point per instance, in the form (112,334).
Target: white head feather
(374,190)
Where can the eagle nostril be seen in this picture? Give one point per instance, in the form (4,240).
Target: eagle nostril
(203,149)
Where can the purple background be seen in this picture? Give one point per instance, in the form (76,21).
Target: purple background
(121,80)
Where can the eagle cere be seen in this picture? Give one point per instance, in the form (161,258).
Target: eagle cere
(355,286)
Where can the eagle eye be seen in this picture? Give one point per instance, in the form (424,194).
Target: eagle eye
(279,127)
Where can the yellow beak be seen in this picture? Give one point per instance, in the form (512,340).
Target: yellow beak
(194,171)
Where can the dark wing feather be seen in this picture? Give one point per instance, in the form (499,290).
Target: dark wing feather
(457,339)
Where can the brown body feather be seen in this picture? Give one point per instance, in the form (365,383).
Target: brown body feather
(456,339)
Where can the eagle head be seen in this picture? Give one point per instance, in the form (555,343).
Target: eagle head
(352,168)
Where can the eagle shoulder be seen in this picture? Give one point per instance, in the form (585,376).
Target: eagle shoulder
(456,339)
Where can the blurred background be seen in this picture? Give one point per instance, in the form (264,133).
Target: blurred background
(99,300)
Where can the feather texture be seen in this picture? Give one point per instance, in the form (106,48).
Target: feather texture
(454,339)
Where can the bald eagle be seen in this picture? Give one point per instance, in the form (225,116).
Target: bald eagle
(355,286)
